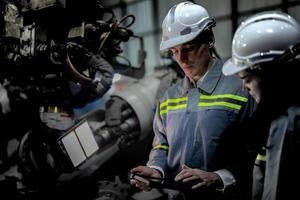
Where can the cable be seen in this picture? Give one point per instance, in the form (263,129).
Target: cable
(115,26)
(126,59)
(81,78)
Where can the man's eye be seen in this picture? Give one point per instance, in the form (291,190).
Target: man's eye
(192,47)
(189,48)
(185,50)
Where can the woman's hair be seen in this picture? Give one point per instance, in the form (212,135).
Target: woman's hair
(280,87)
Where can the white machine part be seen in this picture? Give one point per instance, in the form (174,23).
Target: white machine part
(141,96)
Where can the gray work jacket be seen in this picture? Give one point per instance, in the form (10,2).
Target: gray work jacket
(189,121)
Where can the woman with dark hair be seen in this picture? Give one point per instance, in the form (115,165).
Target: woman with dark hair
(265,55)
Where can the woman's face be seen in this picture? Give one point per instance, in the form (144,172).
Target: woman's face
(252,83)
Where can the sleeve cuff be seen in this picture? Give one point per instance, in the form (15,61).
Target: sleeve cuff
(159,169)
(227,178)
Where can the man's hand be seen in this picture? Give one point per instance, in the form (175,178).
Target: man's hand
(145,171)
(198,178)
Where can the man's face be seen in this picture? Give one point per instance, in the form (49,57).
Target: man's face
(193,59)
(252,83)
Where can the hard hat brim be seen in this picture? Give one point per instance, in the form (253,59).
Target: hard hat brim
(229,68)
(165,45)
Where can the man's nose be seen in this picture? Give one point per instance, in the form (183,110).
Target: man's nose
(182,56)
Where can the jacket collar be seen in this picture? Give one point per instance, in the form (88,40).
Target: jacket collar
(210,81)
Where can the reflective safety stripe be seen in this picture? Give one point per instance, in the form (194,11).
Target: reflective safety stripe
(220,103)
(227,100)
(172,104)
(221,96)
(162,147)
(178,100)
(172,108)
(261,157)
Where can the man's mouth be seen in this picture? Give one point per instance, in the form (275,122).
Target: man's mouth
(186,66)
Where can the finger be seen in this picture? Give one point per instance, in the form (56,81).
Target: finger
(143,186)
(184,166)
(183,175)
(192,178)
(137,169)
(137,184)
(134,170)
(133,182)
(198,185)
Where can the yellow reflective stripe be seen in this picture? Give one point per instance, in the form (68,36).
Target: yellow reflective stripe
(261,157)
(167,109)
(219,103)
(163,147)
(172,101)
(219,96)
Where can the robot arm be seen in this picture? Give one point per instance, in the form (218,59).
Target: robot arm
(102,72)
(90,75)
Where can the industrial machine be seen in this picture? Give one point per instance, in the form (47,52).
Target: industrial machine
(53,61)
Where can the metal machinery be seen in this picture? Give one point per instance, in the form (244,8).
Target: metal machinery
(90,157)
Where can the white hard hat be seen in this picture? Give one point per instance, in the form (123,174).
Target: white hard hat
(260,38)
(183,23)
